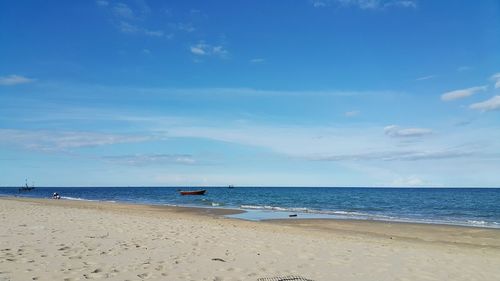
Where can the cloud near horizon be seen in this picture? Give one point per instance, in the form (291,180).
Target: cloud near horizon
(151,159)
(396,131)
(64,141)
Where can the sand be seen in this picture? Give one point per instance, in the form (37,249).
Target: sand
(70,240)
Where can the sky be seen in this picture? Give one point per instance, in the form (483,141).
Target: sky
(371,93)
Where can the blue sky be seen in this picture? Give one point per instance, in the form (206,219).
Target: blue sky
(260,93)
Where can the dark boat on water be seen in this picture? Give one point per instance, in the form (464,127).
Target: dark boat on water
(192,192)
(26,187)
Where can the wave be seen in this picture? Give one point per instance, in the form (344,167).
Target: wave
(77,198)
(307,210)
(272,208)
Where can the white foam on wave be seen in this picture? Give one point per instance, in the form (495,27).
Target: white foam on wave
(310,211)
(76,198)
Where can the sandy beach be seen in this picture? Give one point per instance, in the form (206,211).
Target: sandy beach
(71,240)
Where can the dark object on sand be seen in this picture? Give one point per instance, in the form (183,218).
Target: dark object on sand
(218,259)
(193,192)
(294,215)
(284,278)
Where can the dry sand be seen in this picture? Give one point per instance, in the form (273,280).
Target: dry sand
(69,240)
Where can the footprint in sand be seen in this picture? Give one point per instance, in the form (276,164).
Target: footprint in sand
(143,275)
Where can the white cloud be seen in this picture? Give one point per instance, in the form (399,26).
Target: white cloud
(352,113)
(257,60)
(425,77)
(394,155)
(154,33)
(463,93)
(187,27)
(488,105)
(198,50)
(320,3)
(408,181)
(366,4)
(151,159)
(102,3)
(402,3)
(126,27)
(12,80)
(396,131)
(203,49)
(123,10)
(496,79)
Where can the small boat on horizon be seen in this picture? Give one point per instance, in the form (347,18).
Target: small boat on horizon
(26,187)
(193,192)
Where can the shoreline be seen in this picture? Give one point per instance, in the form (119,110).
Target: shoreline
(46,239)
(239,213)
(422,232)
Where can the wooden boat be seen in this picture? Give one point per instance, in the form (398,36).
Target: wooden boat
(192,192)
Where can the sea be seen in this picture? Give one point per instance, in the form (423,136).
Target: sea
(478,207)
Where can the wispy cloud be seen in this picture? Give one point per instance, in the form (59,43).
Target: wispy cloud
(496,79)
(128,19)
(204,49)
(102,3)
(425,78)
(138,11)
(352,113)
(396,131)
(463,68)
(12,80)
(366,4)
(401,3)
(186,27)
(151,159)
(154,33)
(395,155)
(411,180)
(488,105)
(64,141)
(123,11)
(257,60)
(320,3)
(463,93)
(126,27)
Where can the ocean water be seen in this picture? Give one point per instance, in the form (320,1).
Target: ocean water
(456,206)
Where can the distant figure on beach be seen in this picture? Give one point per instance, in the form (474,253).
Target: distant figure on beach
(56,196)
